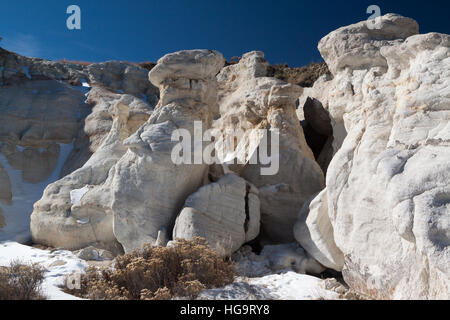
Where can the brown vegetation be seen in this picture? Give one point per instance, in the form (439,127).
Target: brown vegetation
(82,63)
(21,282)
(146,64)
(304,76)
(158,273)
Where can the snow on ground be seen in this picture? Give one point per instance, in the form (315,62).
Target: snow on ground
(59,264)
(275,274)
(294,286)
(283,286)
(17,214)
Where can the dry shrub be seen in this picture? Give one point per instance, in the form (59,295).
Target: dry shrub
(21,282)
(158,273)
(82,63)
(303,76)
(147,65)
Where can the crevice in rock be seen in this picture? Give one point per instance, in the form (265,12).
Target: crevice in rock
(318,131)
(247,208)
(256,245)
(315,140)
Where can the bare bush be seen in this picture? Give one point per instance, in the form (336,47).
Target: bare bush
(158,273)
(21,282)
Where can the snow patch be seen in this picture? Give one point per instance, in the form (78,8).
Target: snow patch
(27,72)
(84,88)
(58,264)
(285,286)
(77,194)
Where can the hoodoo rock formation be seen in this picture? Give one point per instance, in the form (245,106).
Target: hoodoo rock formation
(384,217)
(251,100)
(358,182)
(148,189)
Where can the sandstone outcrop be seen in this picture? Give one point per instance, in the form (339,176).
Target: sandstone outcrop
(149,190)
(38,122)
(99,139)
(225,213)
(387,194)
(49,128)
(314,232)
(75,211)
(250,100)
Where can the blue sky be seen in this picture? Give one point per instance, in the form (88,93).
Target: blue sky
(141,30)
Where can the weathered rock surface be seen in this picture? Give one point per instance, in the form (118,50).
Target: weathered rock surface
(5,190)
(225,213)
(38,112)
(2,219)
(93,254)
(38,122)
(314,232)
(384,119)
(249,100)
(46,133)
(149,190)
(60,221)
(121,77)
(387,195)
(357,46)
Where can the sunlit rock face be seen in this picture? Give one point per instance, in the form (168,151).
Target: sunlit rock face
(87,151)
(149,189)
(49,128)
(384,218)
(250,100)
(75,211)
(225,213)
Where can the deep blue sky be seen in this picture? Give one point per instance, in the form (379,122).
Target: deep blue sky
(142,30)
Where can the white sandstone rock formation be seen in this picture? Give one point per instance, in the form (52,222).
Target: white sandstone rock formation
(314,232)
(38,122)
(249,100)
(44,131)
(225,213)
(149,190)
(63,219)
(387,198)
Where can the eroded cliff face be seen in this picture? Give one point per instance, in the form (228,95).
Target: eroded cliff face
(149,189)
(98,139)
(249,99)
(384,218)
(50,125)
